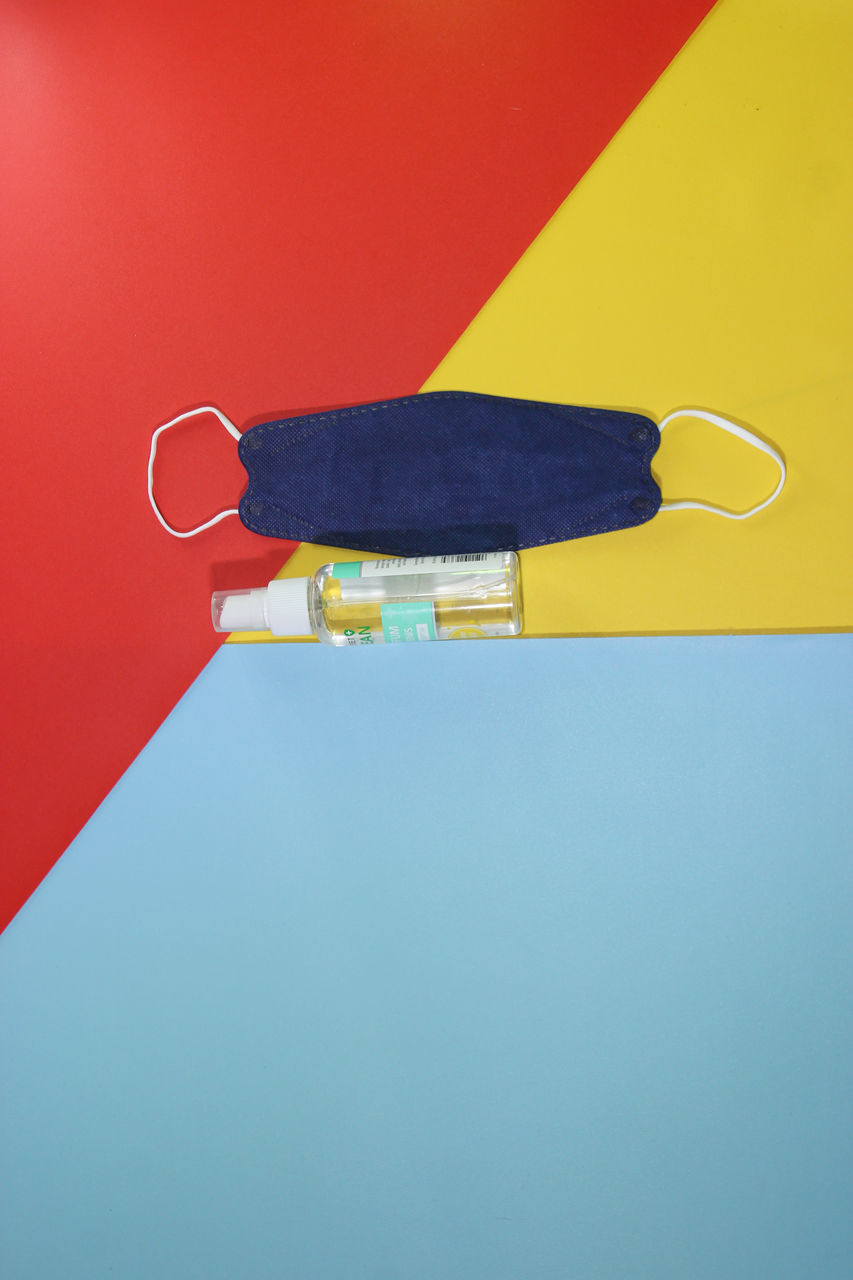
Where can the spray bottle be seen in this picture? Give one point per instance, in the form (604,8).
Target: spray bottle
(388,601)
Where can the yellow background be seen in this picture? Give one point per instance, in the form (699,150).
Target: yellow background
(703,261)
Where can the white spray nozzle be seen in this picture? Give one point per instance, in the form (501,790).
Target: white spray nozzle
(281,608)
(239,610)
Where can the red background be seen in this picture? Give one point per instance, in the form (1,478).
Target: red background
(275,207)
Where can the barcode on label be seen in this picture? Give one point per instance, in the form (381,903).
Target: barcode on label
(475,561)
(481,555)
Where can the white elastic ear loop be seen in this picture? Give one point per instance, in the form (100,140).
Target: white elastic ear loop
(742,434)
(230,428)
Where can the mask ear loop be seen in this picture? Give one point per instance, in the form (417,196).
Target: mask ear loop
(230,428)
(742,434)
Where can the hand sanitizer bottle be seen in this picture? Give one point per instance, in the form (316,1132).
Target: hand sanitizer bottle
(385,601)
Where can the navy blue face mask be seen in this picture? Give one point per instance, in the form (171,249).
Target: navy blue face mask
(449,472)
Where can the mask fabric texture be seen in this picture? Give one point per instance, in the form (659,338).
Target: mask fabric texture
(449,472)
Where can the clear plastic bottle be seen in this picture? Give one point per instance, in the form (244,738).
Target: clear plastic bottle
(385,601)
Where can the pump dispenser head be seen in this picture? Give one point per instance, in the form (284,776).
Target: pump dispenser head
(281,608)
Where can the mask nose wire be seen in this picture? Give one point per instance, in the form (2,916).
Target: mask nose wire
(192,413)
(733,429)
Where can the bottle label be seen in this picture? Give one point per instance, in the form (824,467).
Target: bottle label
(413,621)
(481,562)
(425,598)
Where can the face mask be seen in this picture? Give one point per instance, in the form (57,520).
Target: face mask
(449,472)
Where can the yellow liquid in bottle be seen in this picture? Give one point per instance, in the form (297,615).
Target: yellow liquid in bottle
(464,605)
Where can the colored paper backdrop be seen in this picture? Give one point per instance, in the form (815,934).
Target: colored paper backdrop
(458,960)
(480,961)
(705,260)
(275,207)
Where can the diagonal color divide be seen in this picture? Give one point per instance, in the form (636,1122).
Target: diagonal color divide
(261,207)
(704,260)
(485,962)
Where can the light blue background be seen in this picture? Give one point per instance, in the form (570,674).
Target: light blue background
(510,960)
